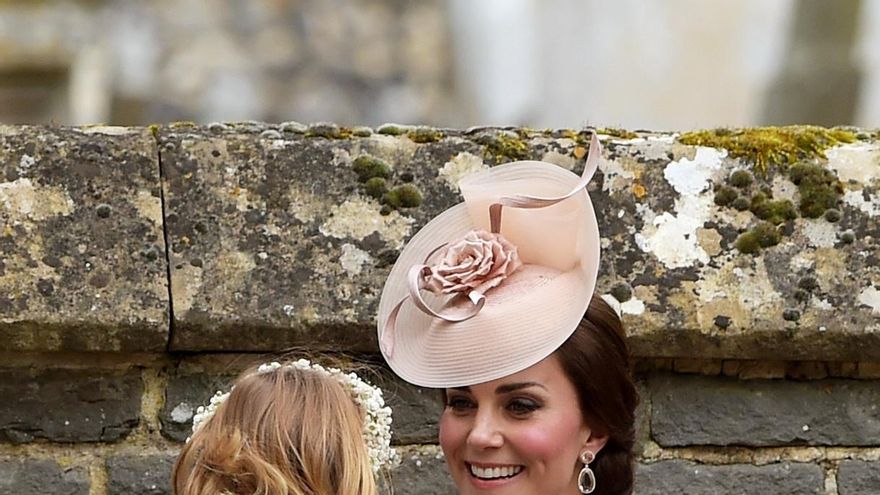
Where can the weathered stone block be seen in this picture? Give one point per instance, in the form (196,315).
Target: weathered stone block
(694,410)
(82,263)
(858,478)
(42,477)
(749,370)
(183,395)
(416,410)
(422,473)
(696,479)
(276,242)
(698,366)
(140,474)
(643,417)
(68,405)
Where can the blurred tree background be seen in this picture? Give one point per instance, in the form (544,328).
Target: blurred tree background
(655,64)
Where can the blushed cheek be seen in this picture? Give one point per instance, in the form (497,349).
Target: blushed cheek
(450,435)
(555,442)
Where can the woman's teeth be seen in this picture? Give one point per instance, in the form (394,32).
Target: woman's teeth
(495,472)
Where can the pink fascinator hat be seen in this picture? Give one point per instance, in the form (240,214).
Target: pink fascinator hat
(497,283)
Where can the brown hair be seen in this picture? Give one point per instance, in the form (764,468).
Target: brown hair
(286,432)
(596,359)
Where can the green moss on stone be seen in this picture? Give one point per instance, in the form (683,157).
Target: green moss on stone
(361,131)
(725,195)
(424,135)
(405,196)
(833,215)
(568,134)
(774,212)
(741,203)
(764,235)
(528,132)
(154,130)
(819,188)
(376,187)
(328,131)
(368,167)
(622,292)
(741,179)
(617,132)
(390,130)
(765,146)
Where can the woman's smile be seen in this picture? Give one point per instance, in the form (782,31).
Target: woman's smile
(493,472)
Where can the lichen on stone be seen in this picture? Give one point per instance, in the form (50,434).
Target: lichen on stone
(460,166)
(564,160)
(359,217)
(353,259)
(504,147)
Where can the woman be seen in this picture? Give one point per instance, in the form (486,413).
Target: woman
(295,428)
(499,312)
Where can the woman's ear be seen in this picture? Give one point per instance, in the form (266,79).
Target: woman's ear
(595,442)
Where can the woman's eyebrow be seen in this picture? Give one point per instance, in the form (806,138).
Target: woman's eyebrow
(512,387)
(461,389)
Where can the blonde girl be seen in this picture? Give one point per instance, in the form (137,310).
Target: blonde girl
(295,428)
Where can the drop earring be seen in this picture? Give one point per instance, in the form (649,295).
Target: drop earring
(587,479)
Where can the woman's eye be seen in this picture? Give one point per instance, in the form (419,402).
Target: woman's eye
(459,403)
(522,407)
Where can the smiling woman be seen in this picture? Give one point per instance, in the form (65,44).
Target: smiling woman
(535,370)
(523,431)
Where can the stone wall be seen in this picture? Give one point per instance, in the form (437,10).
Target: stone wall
(142,268)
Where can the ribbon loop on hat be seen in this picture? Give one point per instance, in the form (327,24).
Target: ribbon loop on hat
(527,201)
(416,275)
(416,282)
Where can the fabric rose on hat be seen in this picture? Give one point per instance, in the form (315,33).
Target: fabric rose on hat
(478,262)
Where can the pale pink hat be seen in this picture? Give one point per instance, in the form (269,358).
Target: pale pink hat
(477,295)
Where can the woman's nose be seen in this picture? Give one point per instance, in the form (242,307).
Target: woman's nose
(485,432)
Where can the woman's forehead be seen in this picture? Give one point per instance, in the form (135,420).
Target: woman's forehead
(546,374)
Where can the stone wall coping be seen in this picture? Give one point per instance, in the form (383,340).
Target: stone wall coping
(728,244)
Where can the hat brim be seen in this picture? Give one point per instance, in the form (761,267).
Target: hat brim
(510,336)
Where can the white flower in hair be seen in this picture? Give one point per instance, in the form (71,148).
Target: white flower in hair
(377,416)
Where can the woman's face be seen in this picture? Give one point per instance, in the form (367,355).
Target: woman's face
(521,434)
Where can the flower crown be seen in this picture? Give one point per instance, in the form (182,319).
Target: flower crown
(377,416)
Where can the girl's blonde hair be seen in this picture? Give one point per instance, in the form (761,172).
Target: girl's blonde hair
(288,432)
